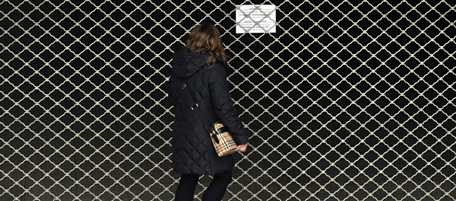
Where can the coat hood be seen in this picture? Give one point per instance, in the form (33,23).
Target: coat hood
(185,64)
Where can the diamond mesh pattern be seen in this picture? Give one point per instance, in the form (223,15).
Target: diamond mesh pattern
(348,100)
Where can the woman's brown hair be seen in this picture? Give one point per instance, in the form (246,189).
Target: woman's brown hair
(205,39)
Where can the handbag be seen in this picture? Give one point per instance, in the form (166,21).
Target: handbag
(221,139)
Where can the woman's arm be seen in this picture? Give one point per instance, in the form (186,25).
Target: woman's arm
(223,105)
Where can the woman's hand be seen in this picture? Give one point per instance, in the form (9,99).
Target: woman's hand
(242,148)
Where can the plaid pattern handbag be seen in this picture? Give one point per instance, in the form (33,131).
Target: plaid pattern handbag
(222,140)
(220,137)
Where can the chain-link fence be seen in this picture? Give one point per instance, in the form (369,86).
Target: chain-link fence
(347,100)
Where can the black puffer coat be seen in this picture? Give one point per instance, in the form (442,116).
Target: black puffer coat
(193,152)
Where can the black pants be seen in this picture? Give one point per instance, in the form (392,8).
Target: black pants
(214,191)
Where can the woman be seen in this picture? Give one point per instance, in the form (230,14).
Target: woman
(201,64)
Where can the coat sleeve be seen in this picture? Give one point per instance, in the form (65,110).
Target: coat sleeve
(223,105)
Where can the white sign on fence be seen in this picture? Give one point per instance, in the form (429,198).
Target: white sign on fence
(255,19)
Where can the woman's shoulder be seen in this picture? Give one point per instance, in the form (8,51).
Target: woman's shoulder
(217,72)
(219,65)
(217,68)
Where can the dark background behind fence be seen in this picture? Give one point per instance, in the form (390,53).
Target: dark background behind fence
(348,99)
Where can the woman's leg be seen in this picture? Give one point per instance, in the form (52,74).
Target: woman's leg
(186,187)
(218,186)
